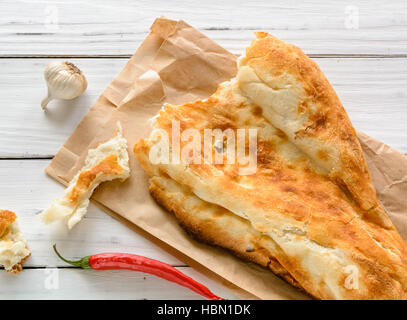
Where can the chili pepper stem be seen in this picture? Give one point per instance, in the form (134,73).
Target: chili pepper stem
(82,263)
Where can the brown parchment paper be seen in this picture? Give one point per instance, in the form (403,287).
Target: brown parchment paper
(176,64)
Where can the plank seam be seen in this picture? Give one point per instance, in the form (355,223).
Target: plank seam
(45,157)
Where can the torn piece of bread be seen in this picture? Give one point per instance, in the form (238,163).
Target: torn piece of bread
(13,247)
(311,193)
(107,162)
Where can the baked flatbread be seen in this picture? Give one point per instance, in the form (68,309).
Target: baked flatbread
(309,212)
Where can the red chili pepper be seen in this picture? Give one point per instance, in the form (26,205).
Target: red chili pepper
(109,261)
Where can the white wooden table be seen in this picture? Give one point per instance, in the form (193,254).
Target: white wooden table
(360,45)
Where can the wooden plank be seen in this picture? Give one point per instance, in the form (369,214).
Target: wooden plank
(25,129)
(371,89)
(80,284)
(89,28)
(26,190)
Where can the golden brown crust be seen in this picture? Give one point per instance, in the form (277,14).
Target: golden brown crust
(109,165)
(312,192)
(334,222)
(210,231)
(108,161)
(17,268)
(327,121)
(6,219)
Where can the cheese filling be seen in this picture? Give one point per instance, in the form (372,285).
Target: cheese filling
(13,248)
(107,162)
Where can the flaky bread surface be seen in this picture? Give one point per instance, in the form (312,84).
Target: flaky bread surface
(14,250)
(107,162)
(296,97)
(215,225)
(331,241)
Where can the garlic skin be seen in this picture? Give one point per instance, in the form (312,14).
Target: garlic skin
(64,80)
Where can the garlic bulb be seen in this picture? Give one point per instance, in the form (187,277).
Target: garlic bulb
(64,81)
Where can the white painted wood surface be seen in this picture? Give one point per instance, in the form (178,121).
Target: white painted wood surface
(367,67)
(89,284)
(106,27)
